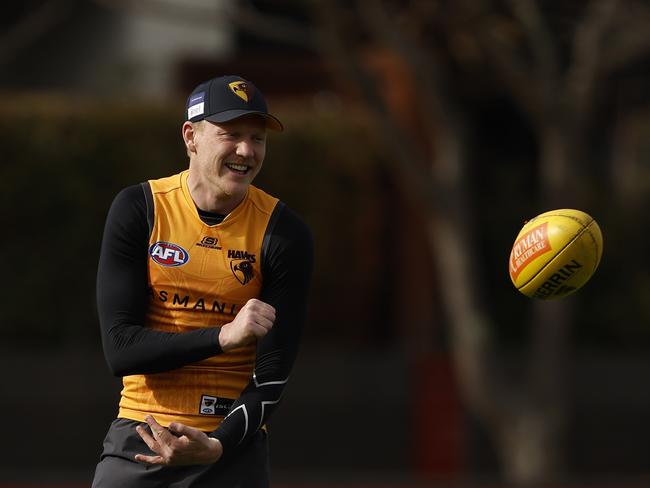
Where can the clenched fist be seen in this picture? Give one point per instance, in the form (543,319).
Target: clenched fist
(252,322)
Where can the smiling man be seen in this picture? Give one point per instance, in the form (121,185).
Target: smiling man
(201,290)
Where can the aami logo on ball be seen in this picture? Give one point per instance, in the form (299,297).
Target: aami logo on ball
(531,245)
(168,254)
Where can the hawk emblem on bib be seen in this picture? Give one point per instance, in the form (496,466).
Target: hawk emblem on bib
(243,270)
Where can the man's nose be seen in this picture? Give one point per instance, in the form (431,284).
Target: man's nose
(245,149)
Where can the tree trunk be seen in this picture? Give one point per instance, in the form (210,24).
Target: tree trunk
(533,443)
(526,421)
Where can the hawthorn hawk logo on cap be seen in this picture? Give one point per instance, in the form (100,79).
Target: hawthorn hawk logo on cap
(242,89)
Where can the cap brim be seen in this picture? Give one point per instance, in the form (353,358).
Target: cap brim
(228,115)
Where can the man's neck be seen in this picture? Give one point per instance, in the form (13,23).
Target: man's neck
(210,199)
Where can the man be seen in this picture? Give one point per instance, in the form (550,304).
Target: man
(202,289)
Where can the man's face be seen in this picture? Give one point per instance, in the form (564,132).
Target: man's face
(229,154)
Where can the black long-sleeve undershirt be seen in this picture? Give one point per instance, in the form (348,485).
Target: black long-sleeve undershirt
(132,348)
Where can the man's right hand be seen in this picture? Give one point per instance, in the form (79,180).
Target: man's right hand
(252,322)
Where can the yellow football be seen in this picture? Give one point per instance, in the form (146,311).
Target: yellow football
(555,254)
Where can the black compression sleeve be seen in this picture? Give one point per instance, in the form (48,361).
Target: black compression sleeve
(286,267)
(122,297)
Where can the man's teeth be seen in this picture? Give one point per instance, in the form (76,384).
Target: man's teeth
(238,167)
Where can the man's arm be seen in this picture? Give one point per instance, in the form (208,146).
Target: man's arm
(287,267)
(122,297)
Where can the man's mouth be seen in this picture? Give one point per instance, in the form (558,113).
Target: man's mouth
(240,169)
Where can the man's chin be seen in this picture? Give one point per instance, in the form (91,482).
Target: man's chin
(235,190)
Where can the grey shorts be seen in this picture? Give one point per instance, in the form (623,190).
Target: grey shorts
(244,467)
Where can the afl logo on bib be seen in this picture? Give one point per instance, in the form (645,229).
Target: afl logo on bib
(168,254)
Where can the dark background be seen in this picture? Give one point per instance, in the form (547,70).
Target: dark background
(374,398)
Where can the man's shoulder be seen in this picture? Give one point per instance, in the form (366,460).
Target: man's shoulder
(130,196)
(128,210)
(262,200)
(280,210)
(167,183)
(289,223)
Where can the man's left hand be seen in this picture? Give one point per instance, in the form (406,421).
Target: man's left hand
(179,445)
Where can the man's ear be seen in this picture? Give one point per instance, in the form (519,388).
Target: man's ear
(189,133)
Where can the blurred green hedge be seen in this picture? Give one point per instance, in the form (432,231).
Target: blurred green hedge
(63,160)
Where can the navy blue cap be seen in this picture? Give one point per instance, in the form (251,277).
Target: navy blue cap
(226,98)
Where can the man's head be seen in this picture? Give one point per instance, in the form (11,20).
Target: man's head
(225,137)
(226,98)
